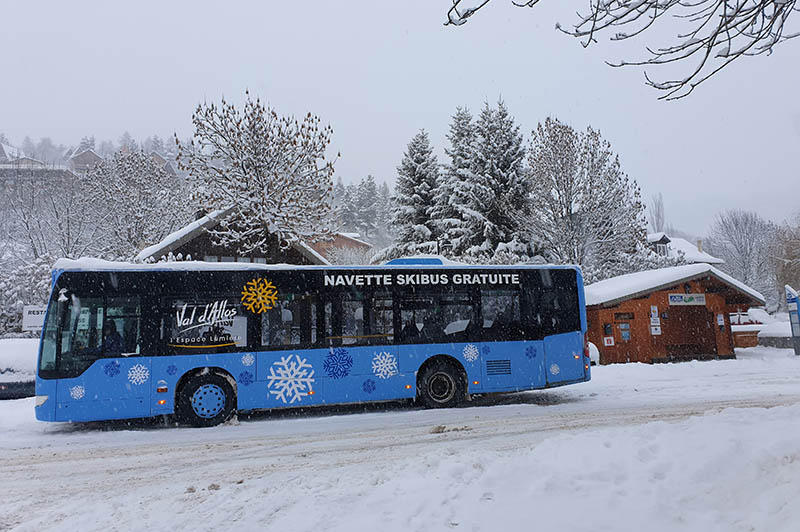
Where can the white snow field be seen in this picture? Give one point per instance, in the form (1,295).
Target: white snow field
(698,446)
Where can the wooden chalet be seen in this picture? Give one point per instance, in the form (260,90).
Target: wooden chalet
(677,313)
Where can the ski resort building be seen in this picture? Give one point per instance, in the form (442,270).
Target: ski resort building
(678,313)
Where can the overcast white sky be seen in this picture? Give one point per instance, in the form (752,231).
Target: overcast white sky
(379,71)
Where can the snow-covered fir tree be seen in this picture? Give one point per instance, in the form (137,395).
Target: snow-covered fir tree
(494,187)
(417,178)
(270,172)
(455,203)
(87,143)
(138,202)
(366,207)
(583,209)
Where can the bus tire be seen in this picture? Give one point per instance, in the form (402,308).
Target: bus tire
(206,400)
(441,385)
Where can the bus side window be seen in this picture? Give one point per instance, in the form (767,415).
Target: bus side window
(121,330)
(381,320)
(501,315)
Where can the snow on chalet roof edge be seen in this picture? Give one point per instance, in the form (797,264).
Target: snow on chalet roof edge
(633,284)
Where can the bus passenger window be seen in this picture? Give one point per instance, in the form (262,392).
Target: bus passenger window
(501,315)
(381,327)
(121,329)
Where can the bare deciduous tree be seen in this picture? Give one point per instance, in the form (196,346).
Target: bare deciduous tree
(713,33)
(138,201)
(743,240)
(655,213)
(269,170)
(584,209)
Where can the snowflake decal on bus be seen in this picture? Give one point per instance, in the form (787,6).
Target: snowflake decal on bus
(530,352)
(338,363)
(77,392)
(368,386)
(486,350)
(291,379)
(554,369)
(259,295)
(246,378)
(172,369)
(248,359)
(471,353)
(384,365)
(111,369)
(138,374)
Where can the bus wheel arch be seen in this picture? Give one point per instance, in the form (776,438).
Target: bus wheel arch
(205,397)
(441,382)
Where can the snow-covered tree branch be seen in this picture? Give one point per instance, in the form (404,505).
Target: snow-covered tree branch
(270,170)
(137,200)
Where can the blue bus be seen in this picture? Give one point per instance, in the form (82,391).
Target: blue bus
(135,341)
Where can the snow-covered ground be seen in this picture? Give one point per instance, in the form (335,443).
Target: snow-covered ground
(18,359)
(699,446)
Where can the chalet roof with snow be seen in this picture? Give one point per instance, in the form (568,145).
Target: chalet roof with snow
(200,227)
(658,238)
(9,153)
(84,160)
(639,284)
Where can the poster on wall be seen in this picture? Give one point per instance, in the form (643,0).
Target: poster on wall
(687,299)
(655,322)
(720,320)
(653,311)
(655,331)
(608,341)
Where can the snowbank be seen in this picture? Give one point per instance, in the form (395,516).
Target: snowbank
(18,359)
(778,329)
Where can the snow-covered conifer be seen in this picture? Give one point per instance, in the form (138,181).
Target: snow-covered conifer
(417,177)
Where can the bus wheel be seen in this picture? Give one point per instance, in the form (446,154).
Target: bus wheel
(441,385)
(206,400)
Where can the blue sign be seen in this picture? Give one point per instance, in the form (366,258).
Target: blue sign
(794,318)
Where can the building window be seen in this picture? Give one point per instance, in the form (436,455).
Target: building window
(226,259)
(661,249)
(260,260)
(242,259)
(211,258)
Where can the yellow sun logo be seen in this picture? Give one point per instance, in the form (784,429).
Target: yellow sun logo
(259,295)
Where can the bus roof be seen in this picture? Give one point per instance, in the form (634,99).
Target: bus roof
(101,265)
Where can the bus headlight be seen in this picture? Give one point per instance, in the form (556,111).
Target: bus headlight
(40,400)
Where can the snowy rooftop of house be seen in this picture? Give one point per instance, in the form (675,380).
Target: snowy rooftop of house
(177,238)
(691,254)
(638,284)
(652,238)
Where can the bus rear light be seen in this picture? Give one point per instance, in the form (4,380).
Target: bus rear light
(162,401)
(161,389)
(586,366)
(475,382)
(40,400)
(311,392)
(408,386)
(577,357)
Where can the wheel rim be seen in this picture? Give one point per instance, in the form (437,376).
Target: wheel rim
(441,387)
(208,400)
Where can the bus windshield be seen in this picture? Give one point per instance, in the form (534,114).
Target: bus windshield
(82,328)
